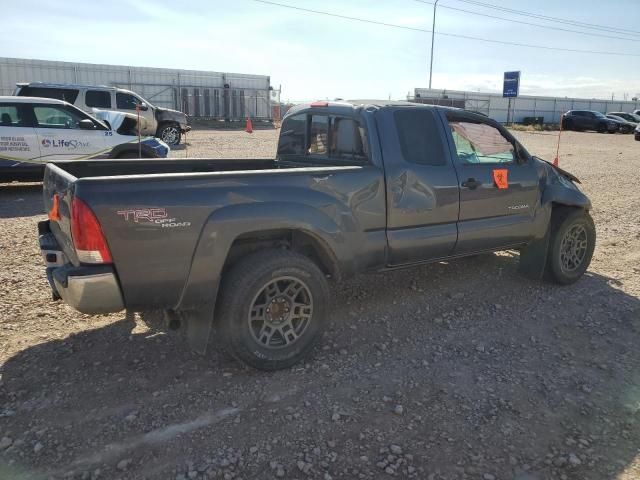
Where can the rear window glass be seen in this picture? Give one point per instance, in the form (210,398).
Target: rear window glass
(319,135)
(329,137)
(66,94)
(292,135)
(420,140)
(98,99)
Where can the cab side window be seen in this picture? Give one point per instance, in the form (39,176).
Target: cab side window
(10,116)
(480,143)
(126,101)
(54,116)
(98,99)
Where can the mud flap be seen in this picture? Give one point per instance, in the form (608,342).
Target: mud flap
(533,258)
(196,325)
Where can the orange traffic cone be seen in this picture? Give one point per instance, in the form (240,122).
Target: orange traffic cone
(249,127)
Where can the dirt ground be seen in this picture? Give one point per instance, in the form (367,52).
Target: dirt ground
(462,370)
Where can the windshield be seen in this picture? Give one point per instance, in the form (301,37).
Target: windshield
(598,114)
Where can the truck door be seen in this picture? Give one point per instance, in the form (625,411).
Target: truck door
(18,140)
(126,102)
(499,192)
(422,187)
(60,135)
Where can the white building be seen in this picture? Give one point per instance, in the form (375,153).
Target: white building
(497,107)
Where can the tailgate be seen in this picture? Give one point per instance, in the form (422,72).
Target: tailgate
(58,190)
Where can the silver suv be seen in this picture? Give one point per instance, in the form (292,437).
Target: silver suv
(164,123)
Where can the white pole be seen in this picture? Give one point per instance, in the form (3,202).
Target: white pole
(433,34)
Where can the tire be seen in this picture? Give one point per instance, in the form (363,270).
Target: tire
(170,134)
(571,245)
(257,336)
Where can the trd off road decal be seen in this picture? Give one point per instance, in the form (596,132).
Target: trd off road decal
(146,216)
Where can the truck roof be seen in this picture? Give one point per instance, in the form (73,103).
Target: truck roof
(62,85)
(12,99)
(347,106)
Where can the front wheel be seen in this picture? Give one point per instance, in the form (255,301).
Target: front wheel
(272,308)
(573,239)
(170,134)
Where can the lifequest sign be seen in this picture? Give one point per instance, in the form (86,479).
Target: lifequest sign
(511,84)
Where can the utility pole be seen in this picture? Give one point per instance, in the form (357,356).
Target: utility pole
(433,34)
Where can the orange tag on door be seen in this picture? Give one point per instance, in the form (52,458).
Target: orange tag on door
(501,178)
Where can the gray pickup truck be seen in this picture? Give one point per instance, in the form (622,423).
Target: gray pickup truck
(355,187)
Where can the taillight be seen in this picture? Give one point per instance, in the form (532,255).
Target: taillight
(88,239)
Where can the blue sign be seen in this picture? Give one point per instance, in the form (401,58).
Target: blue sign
(511,84)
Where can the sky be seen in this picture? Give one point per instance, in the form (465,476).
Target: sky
(315,56)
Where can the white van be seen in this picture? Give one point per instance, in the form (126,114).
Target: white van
(164,123)
(34,131)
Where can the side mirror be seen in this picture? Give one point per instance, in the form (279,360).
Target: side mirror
(86,124)
(144,107)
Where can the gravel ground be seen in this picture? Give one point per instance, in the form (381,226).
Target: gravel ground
(451,371)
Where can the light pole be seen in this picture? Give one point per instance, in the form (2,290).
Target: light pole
(433,34)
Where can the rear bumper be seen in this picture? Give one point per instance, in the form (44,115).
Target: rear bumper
(89,289)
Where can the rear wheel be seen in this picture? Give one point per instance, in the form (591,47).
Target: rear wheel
(272,308)
(573,239)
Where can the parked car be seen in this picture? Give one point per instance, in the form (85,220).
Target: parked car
(34,131)
(624,126)
(354,188)
(629,117)
(164,123)
(588,120)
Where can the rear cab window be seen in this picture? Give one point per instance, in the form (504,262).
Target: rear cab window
(322,138)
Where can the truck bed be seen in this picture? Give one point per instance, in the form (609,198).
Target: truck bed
(114,167)
(165,219)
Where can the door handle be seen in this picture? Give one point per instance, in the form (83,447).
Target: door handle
(471,183)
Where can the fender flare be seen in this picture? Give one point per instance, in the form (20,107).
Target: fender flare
(225,225)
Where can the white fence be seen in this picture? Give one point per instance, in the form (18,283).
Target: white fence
(198,93)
